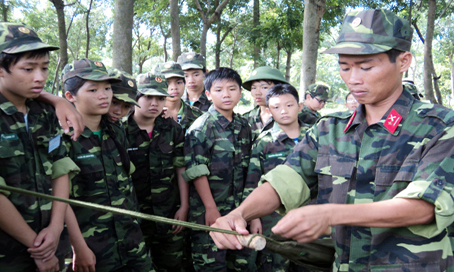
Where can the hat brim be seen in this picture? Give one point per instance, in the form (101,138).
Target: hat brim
(248,83)
(173,75)
(191,66)
(27,47)
(101,77)
(356,48)
(154,92)
(125,98)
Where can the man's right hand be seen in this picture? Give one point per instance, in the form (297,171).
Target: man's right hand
(232,221)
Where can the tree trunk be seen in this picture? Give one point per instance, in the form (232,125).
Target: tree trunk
(62,37)
(437,88)
(87,48)
(313,13)
(165,49)
(428,86)
(217,50)
(289,65)
(4,11)
(451,63)
(233,50)
(203,40)
(122,35)
(175,29)
(278,56)
(256,22)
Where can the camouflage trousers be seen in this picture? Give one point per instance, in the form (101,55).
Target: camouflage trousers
(207,257)
(166,250)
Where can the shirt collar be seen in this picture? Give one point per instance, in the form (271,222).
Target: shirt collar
(224,122)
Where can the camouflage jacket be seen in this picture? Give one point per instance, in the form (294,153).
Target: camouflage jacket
(203,104)
(29,160)
(190,114)
(343,160)
(308,116)
(219,149)
(156,160)
(254,120)
(116,240)
(269,150)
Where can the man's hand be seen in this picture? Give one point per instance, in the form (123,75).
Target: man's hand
(69,117)
(51,265)
(256,226)
(182,215)
(211,215)
(45,244)
(84,260)
(305,224)
(232,221)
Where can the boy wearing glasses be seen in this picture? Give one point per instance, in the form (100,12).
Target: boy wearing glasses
(315,100)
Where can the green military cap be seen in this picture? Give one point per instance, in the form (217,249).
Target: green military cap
(126,90)
(318,89)
(18,38)
(172,69)
(87,69)
(150,84)
(192,61)
(371,32)
(411,87)
(264,73)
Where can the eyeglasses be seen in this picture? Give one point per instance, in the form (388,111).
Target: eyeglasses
(319,100)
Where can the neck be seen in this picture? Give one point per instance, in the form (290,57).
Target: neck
(17,101)
(194,95)
(144,123)
(308,107)
(375,112)
(93,122)
(292,130)
(173,107)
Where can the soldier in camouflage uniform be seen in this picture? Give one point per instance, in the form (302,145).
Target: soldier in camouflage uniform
(179,110)
(217,148)
(156,149)
(194,67)
(32,156)
(115,241)
(258,83)
(315,99)
(412,88)
(124,94)
(383,172)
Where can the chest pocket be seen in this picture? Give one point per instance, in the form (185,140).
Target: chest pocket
(90,180)
(334,175)
(223,151)
(47,158)
(11,157)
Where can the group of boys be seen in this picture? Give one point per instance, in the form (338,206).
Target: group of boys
(383,172)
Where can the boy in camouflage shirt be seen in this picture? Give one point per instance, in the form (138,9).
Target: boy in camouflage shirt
(382,175)
(124,94)
(315,100)
(194,67)
(217,148)
(156,149)
(32,156)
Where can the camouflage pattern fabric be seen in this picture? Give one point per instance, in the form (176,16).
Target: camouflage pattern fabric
(126,90)
(156,185)
(368,164)
(318,89)
(116,240)
(219,149)
(30,160)
(203,104)
(192,60)
(254,120)
(269,150)
(172,69)
(87,69)
(372,31)
(188,116)
(18,38)
(150,84)
(309,116)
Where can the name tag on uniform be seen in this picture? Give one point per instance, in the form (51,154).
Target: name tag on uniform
(85,156)
(133,149)
(9,137)
(274,155)
(54,143)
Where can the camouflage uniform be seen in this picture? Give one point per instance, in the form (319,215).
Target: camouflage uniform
(269,150)
(126,90)
(218,149)
(310,116)
(195,61)
(254,120)
(407,154)
(315,90)
(29,158)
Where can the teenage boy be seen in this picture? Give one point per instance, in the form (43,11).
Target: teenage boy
(124,94)
(194,67)
(179,110)
(315,99)
(350,102)
(217,148)
(382,173)
(32,156)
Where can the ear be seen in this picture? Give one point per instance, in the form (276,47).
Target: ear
(300,106)
(208,94)
(2,72)
(405,61)
(70,97)
(267,110)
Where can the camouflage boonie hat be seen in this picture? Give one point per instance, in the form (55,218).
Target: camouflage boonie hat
(371,32)
(18,38)
(87,69)
(264,73)
(150,84)
(192,61)
(126,90)
(318,89)
(172,69)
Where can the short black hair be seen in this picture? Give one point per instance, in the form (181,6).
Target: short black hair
(6,60)
(393,54)
(281,89)
(269,81)
(220,74)
(73,84)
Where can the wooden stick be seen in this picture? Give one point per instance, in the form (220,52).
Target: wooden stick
(258,243)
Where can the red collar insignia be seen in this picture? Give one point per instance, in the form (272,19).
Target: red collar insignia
(350,121)
(392,121)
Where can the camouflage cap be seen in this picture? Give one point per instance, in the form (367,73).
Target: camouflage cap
(371,32)
(318,89)
(264,73)
(150,84)
(172,69)
(18,38)
(126,90)
(87,69)
(411,87)
(192,61)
